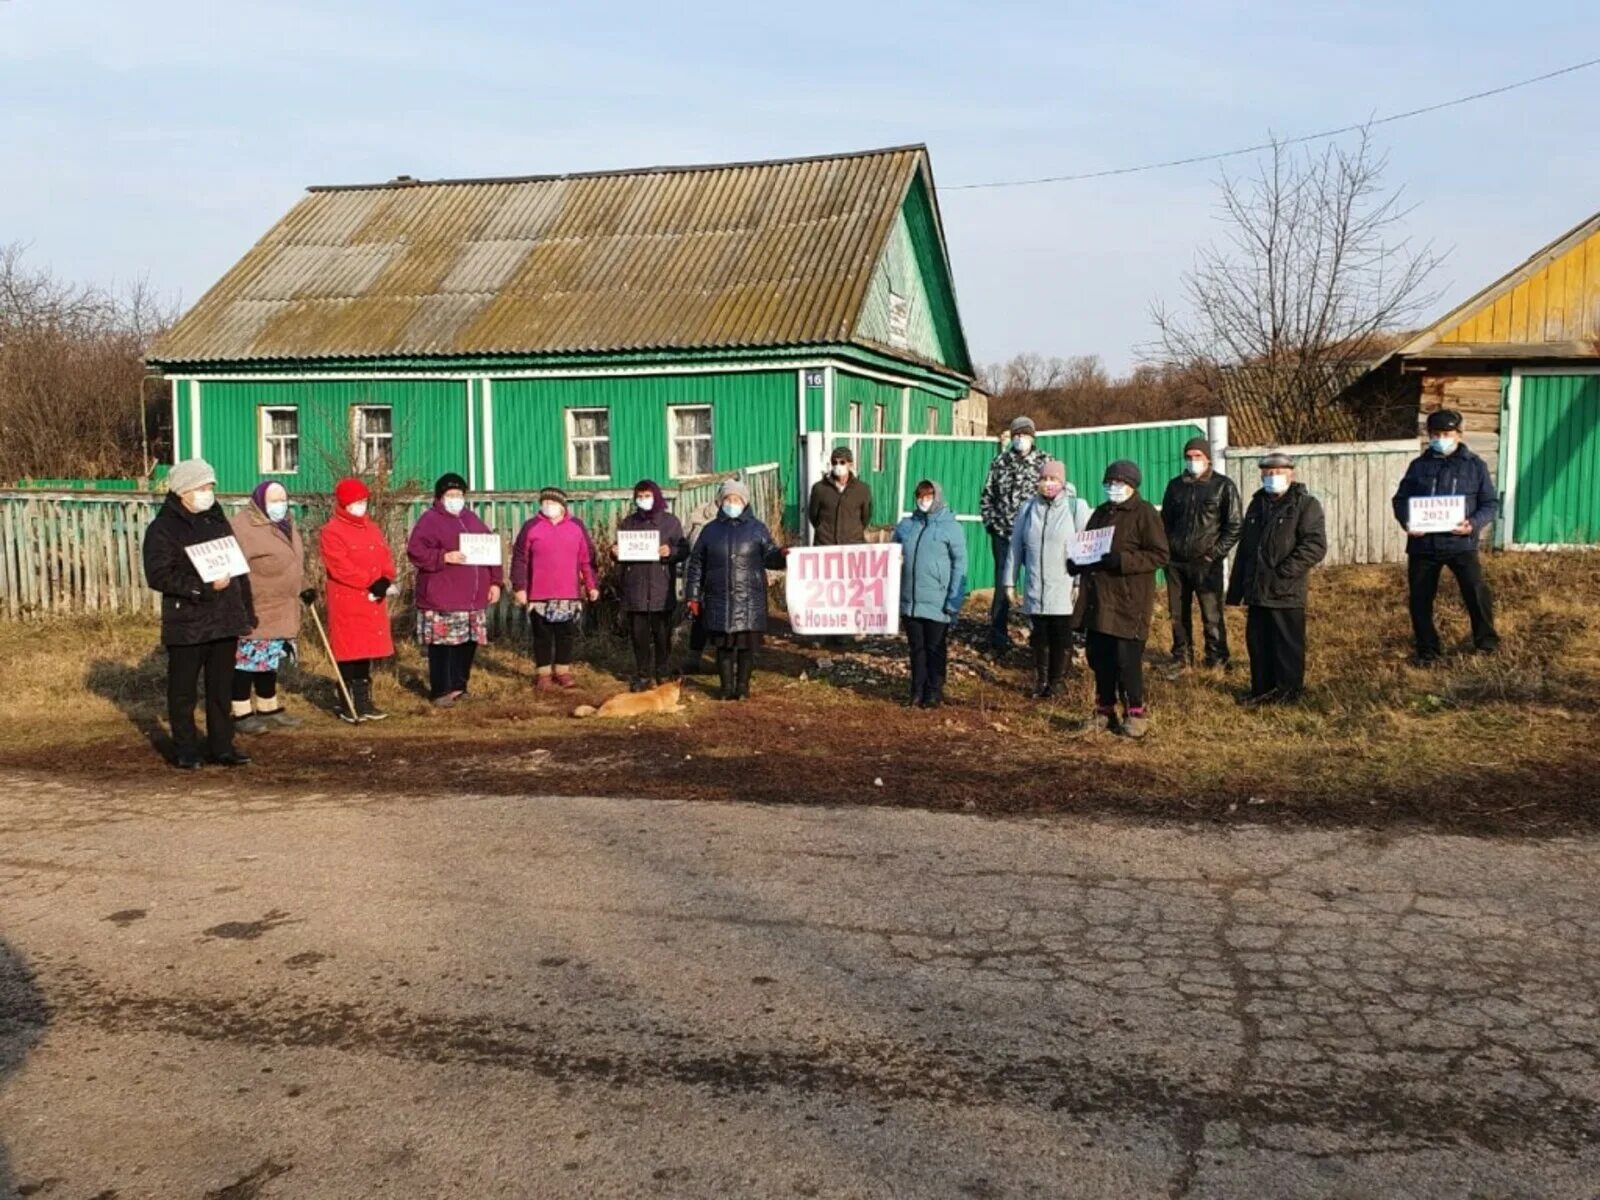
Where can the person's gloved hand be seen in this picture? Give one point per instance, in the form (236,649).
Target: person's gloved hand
(1076,568)
(1111,562)
(694,608)
(380,587)
(309,596)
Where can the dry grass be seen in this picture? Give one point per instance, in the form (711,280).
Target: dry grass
(1502,743)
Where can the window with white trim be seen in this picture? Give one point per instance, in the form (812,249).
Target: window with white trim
(879,443)
(589,443)
(930,420)
(689,429)
(280,440)
(855,427)
(372,431)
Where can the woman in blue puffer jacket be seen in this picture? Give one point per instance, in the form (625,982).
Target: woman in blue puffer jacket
(933,583)
(726,585)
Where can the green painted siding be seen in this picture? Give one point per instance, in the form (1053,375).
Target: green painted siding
(1558,460)
(912,268)
(429,420)
(752,422)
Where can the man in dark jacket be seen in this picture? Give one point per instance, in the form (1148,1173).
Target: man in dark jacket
(1203,516)
(201,623)
(1448,468)
(1117,598)
(1284,537)
(841,505)
(1013,480)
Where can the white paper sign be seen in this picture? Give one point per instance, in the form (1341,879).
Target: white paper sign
(638,545)
(1436,514)
(481,549)
(835,590)
(219,559)
(1091,545)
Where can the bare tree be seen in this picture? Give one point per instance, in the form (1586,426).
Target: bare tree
(1064,393)
(1307,287)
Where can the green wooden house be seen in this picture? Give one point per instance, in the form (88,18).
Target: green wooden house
(582,330)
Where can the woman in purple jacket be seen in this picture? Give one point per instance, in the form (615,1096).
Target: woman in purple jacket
(452,596)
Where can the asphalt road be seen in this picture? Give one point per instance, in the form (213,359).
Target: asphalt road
(236,994)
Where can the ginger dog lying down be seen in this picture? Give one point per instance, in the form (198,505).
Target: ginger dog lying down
(663,699)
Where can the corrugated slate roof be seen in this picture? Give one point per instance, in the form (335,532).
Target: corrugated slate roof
(727,256)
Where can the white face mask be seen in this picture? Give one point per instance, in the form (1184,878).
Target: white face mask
(645,503)
(1195,466)
(1117,492)
(733,510)
(925,504)
(454,505)
(277,510)
(1023,442)
(841,470)
(358,509)
(202,500)
(551,510)
(1276,484)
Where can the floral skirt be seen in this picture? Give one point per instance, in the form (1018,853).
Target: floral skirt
(257,655)
(557,612)
(452,628)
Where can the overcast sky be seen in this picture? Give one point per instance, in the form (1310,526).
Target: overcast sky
(160,138)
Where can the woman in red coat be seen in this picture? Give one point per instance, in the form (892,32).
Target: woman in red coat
(360,574)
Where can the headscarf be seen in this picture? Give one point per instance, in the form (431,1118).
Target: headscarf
(651,486)
(259,498)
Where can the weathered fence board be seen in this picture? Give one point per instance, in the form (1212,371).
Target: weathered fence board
(78,552)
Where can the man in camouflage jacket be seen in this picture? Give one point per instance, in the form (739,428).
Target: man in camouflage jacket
(1013,481)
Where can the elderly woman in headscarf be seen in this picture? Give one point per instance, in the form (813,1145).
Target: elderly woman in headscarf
(270,541)
(727,583)
(453,596)
(649,589)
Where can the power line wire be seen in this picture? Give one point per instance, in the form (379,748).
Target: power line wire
(1256,149)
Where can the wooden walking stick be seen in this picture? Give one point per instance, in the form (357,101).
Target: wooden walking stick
(344,689)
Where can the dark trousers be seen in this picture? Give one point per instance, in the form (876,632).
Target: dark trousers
(1052,644)
(651,635)
(1000,606)
(930,657)
(449,668)
(698,636)
(1276,639)
(552,641)
(1422,573)
(185,665)
(1186,583)
(260,683)
(1118,666)
(355,670)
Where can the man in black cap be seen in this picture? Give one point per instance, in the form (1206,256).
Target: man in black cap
(1203,515)
(1284,536)
(1013,481)
(1448,469)
(841,505)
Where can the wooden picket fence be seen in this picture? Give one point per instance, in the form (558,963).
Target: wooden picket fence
(74,553)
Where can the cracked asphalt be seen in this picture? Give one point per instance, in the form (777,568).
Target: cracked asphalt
(220,991)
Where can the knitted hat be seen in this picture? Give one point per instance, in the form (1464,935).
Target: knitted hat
(553,493)
(1124,471)
(1200,444)
(449,482)
(1276,460)
(841,454)
(1444,421)
(1053,468)
(733,487)
(1022,425)
(191,473)
(349,491)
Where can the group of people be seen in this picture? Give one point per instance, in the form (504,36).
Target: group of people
(238,631)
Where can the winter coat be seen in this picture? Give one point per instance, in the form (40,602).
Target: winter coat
(839,516)
(652,586)
(1040,543)
(1118,600)
(1203,516)
(1013,480)
(443,586)
(933,562)
(728,574)
(277,572)
(354,557)
(1283,539)
(192,611)
(1460,474)
(553,560)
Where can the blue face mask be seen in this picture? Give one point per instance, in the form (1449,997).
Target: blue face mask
(1117,492)
(733,511)
(1276,484)
(277,510)
(1443,445)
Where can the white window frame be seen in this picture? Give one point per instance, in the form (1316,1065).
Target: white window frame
(359,437)
(674,437)
(267,437)
(930,420)
(855,428)
(880,416)
(572,415)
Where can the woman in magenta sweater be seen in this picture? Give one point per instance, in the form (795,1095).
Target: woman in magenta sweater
(552,572)
(453,597)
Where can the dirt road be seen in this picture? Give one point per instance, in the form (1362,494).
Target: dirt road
(220,992)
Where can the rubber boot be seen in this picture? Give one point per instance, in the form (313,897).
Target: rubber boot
(726,673)
(745,663)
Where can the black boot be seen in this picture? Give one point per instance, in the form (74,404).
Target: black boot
(726,673)
(365,708)
(746,661)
